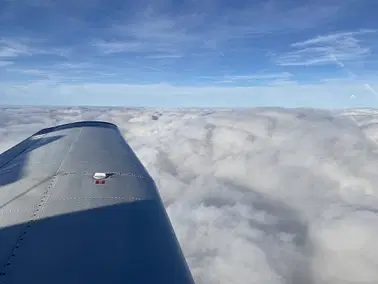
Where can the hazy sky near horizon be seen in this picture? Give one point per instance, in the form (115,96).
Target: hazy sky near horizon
(291,53)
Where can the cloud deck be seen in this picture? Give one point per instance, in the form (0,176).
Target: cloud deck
(263,195)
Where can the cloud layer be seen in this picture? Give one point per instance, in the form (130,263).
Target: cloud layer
(262,195)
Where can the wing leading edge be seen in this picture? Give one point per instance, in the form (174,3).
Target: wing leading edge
(58,225)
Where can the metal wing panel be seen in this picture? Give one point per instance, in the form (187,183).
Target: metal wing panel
(103,150)
(58,226)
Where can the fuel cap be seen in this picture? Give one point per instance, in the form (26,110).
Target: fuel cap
(100,176)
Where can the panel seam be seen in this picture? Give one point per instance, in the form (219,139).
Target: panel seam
(57,171)
(100,198)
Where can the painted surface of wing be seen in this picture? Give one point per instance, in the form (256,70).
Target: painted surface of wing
(57,225)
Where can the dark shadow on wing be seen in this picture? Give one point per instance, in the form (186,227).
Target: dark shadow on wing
(13,161)
(124,243)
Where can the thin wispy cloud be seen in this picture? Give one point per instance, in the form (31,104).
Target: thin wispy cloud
(73,65)
(165,56)
(333,38)
(110,47)
(268,76)
(322,50)
(28,47)
(13,48)
(4,63)
(251,79)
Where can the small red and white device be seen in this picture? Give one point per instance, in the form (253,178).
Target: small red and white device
(99,178)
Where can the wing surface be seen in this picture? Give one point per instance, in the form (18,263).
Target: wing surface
(60,225)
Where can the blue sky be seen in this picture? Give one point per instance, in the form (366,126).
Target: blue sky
(320,53)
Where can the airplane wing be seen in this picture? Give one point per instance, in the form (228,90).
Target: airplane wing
(77,206)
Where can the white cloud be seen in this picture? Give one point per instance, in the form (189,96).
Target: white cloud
(60,73)
(257,195)
(333,38)
(31,71)
(4,63)
(148,49)
(156,27)
(328,49)
(118,46)
(73,65)
(165,56)
(35,74)
(261,76)
(12,48)
(266,78)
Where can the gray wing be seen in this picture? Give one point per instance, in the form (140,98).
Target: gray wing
(60,225)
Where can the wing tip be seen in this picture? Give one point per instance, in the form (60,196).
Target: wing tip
(85,123)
